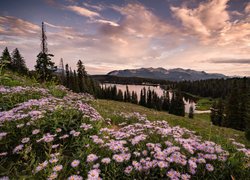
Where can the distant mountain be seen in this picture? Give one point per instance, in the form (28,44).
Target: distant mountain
(177,74)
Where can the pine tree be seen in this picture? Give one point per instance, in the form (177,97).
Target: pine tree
(67,76)
(18,63)
(76,87)
(232,110)
(62,71)
(143,97)
(149,98)
(120,95)
(166,103)
(191,112)
(213,114)
(80,73)
(5,59)
(134,98)
(44,66)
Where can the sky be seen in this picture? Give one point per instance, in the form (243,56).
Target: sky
(205,35)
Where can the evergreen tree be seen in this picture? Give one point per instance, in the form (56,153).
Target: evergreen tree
(149,98)
(80,72)
(191,112)
(18,63)
(127,95)
(143,97)
(134,98)
(5,59)
(166,103)
(120,95)
(213,114)
(232,110)
(67,75)
(44,66)
(76,87)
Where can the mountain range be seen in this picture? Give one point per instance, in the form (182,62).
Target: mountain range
(177,74)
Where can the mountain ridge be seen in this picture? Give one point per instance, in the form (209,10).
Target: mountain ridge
(175,74)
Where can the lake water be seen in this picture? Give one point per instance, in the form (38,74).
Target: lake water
(157,89)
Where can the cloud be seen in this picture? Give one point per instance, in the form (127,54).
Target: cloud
(56,26)
(205,20)
(229,61)
(12,26)
(247,8)
(83,11)
(111,23)
(98,7)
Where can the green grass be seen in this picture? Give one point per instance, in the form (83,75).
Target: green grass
(204,104)
(201,122)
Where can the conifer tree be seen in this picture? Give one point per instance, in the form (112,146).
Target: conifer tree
(191,112)
(44,66)
(18,63)
(149,98)
(166,103)
(5,59)
(67,75)
(120,95)
(80,73)
(76,87)
(232,110)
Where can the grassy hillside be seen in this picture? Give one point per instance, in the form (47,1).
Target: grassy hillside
(48,132)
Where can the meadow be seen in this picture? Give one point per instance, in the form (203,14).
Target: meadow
(49,132)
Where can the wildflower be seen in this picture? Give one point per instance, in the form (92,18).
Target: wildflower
(93,174)
(96,166)
(91,158)
(4,178)
(58,130)
(57,168)
(53,160)
(162,164)
(185,176)
(35,131)
(209,167)
(75,163)
(3,154)
(75,177)
(128,169)
(20,125)
(55,146)
(106,160)
(118,158)
(18,148)
(76,134)
(53,176)
(25,140)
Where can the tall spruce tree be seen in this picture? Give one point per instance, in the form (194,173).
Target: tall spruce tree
(67,75)
(44,66)
(80,73)
(5,59)
(232,110)
(18,63)
(191,112)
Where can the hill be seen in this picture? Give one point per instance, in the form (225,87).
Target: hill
(48,132)
(177,74)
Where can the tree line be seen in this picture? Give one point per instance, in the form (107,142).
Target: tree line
(148,98)
(234,111)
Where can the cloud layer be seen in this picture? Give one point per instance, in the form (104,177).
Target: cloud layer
(139,37)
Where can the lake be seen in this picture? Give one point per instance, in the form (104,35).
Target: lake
(157,89)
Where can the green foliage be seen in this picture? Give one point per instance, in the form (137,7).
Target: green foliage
(44,67)
(9,101)
(191,112)
(18,63)
(5,59)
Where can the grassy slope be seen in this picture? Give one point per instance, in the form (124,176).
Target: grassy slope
(201,123)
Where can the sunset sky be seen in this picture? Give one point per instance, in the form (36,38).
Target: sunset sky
(209,35)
